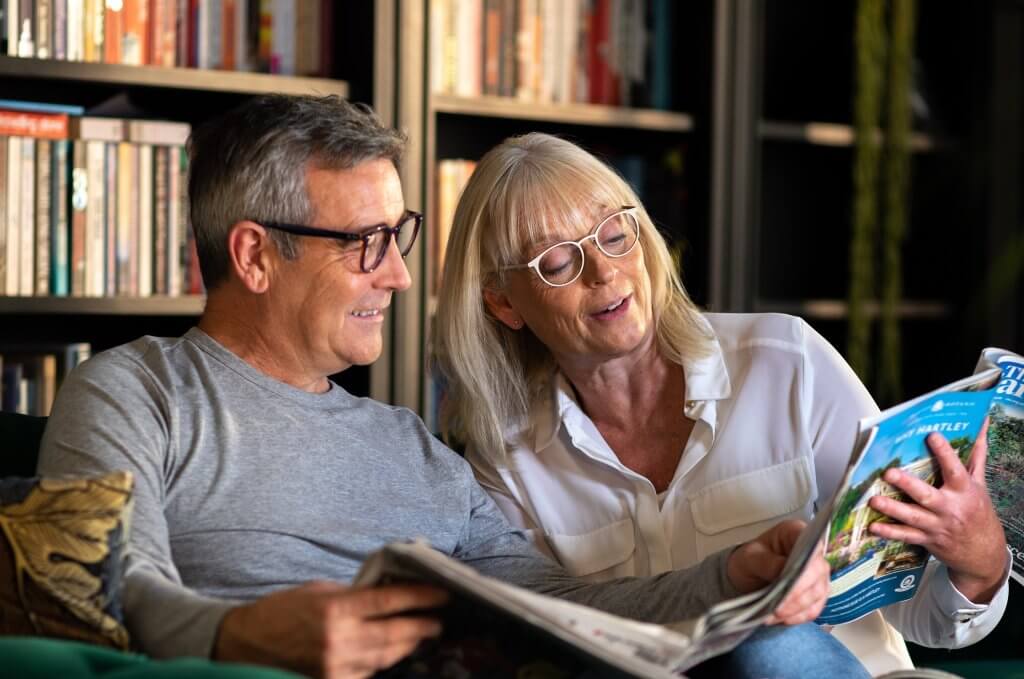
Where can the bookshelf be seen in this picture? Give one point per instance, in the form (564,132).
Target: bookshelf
(782,172)
(362,58)
(671,143)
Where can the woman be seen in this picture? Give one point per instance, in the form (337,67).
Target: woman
(628,433)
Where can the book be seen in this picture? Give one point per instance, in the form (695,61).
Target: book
(869,571)
(1004,467)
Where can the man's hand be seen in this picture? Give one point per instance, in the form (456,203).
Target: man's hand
(757,563)
(329,630)
(955,522)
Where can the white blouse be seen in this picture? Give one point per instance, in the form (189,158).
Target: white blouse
(775,409)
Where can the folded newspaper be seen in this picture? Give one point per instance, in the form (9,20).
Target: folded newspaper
(867,571)
(495,622)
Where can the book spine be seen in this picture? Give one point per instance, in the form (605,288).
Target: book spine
(228,25)
(282,58)
(174,220)
(183,35)
(113,31)
(3,216)
(110,230)
(39,125)
(661,55)
(13,188)
(76,30)
(95,247)
(43,215)
(161,154)
(241,59)
(326,63)
(509,30)
(60,29)
(125,285)
(12,28)
(469,48)
(79,216)
(492,47)
(26,29)
(44,28)
(134,43)
(26,220)
(144,222)
(59,226)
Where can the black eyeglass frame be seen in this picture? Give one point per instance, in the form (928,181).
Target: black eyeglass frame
(364,236)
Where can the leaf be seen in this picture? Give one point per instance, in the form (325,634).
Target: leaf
(60,526)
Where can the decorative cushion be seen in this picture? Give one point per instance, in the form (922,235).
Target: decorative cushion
(60,557)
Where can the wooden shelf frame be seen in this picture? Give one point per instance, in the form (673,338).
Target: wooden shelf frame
(839,309)
(188,305)
(570,114)
(159,77)
(834,134)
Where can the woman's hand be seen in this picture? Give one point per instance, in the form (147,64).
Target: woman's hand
(955,522)
(757,563)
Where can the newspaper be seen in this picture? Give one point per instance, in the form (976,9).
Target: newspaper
(569,638)
(1004,471)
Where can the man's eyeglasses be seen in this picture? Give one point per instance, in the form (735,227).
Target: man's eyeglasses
(562,263)
(376,239)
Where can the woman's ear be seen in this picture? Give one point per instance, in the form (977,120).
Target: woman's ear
(498,304)
(249,250)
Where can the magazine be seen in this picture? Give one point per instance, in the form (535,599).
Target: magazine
(1004,470)
(868,571)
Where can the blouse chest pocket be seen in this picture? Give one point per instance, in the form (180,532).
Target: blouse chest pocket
(598,555)
(735,510)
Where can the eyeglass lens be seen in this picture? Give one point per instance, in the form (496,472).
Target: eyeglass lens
(378,242)
(615,237)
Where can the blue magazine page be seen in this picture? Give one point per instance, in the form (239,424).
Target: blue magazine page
(1004,470)
(868,571)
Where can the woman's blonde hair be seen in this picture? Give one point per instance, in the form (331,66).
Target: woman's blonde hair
(522,191)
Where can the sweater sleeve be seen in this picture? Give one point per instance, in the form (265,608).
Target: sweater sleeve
(111,414)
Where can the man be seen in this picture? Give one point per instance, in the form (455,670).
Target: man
(260,485)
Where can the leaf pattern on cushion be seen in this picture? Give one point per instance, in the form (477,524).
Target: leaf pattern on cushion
(58,527)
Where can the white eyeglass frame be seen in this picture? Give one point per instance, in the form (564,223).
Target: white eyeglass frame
(535,262)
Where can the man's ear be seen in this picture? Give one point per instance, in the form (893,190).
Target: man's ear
(251,254)
(498,304)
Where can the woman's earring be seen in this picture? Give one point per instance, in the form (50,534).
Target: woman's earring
(517,324)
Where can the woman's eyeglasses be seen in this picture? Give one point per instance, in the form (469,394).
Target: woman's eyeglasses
(562,263)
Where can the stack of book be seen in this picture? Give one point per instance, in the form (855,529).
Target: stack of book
(290,37)
(93,206)
(31,375)
(610,52)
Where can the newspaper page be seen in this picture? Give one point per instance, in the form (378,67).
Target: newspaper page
(631,648)
(1004,470)
(868,571)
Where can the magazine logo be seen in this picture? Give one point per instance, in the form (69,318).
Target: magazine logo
(939,405)
(906,583)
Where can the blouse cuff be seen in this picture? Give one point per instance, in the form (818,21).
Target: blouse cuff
(954,604)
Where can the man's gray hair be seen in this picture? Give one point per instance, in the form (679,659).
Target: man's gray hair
(251,162)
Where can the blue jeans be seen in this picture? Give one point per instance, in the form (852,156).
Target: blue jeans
(780,652)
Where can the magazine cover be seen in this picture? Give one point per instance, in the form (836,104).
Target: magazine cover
(1004,470)
(869,571)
